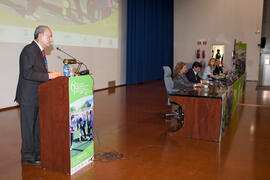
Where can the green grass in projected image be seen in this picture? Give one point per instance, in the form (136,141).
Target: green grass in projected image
(97,18)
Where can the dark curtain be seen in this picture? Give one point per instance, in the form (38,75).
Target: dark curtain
(149,39)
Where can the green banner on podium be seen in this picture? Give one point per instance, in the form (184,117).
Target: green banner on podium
(81,103)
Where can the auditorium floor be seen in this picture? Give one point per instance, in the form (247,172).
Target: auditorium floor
(129,120)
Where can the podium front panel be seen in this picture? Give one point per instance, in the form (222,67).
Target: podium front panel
(81,103)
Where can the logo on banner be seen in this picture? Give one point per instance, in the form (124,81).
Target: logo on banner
(78,88)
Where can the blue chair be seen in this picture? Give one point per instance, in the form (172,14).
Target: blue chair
(168,81)
(177,112)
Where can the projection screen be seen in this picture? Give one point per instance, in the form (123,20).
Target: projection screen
(89,30)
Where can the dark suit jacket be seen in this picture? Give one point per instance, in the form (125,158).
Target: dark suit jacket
(192,77)
(32,73)
(218,70)
(180,81)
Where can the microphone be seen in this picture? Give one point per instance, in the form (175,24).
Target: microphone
(66,53)
(74,61)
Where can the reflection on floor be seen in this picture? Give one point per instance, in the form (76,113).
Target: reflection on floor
(130,121)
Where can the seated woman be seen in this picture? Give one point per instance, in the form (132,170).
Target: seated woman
(208,71)
(179,78)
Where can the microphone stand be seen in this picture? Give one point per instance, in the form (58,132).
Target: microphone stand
(77,71)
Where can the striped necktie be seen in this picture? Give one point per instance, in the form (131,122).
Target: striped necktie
(45,60)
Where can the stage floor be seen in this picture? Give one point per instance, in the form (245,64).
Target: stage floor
(129,120)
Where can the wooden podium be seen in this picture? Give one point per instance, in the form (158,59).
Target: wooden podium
(54,117)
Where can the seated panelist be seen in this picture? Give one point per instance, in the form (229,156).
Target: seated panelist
(192,74)
(208,71)
(179,78)
(219,68)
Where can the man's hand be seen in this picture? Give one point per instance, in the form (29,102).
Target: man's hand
(54,74)
(203,81)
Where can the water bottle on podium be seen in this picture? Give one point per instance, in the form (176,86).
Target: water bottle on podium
(66,70)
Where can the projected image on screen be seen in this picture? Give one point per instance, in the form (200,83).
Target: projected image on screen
(90,23)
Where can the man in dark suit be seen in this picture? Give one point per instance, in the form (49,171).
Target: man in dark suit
(192,74)
(33,71)
(219,68)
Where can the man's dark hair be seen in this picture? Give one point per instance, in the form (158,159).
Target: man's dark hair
(39,29)
(196,64)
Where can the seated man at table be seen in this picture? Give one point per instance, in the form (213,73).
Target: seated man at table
(192,74)
(219,68)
